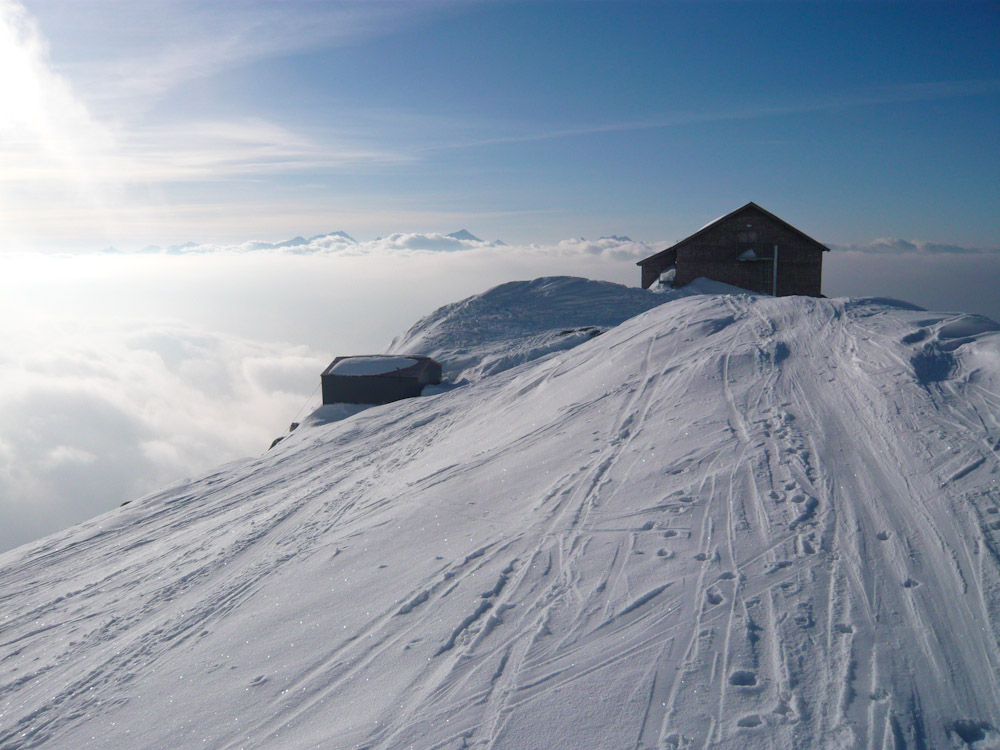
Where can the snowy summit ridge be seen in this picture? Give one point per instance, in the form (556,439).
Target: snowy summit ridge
(520,321)
(729,521)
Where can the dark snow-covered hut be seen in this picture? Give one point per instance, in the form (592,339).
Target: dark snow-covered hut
(749,248)
(378,378)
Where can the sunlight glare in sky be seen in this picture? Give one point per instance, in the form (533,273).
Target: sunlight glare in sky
(49,143)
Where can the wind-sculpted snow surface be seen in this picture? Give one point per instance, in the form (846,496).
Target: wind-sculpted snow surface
(731,521)
(521,321)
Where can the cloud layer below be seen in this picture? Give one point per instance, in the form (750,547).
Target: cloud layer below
(342,244)
(897,246)
(94,414)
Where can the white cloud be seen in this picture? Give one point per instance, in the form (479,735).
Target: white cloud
(44,127)
(407,243)
(139,52)
(897,246)
(876,96)
(99,415)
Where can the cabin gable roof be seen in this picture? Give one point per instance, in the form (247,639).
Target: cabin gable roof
(751,206)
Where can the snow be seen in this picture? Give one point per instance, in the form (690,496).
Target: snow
(332,413)
(520,321)
(376,364)
(729,521)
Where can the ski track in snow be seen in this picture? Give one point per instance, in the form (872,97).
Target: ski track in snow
(731,521)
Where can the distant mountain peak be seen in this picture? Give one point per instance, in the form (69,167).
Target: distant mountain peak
(464,234)
(342,235)
(616,238)
(294,242)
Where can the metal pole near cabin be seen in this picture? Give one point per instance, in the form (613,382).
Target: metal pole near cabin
(774,284)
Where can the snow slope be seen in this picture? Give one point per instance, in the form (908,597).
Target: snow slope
(731,521)
(520,321)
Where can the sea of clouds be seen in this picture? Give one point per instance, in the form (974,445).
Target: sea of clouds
(122,372)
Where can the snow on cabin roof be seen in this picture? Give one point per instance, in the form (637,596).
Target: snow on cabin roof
(376,364)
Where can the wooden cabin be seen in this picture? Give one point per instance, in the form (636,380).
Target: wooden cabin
(750,248)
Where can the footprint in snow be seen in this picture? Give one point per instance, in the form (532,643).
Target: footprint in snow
(713,596)
(669,533)
(843,628)
(750,722)
(910,583)
(972,733)
(743,678)
(882,536)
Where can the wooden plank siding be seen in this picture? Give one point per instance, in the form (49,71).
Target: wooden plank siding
(715,251)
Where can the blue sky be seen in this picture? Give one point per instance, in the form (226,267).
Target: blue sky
(163,122)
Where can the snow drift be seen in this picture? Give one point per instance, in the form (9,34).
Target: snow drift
(520,321)
(729,521)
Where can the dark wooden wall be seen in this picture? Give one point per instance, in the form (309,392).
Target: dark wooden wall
(340,389)
(715,255)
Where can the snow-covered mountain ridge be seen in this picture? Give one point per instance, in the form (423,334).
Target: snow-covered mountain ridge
(730,521)
(520,321)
